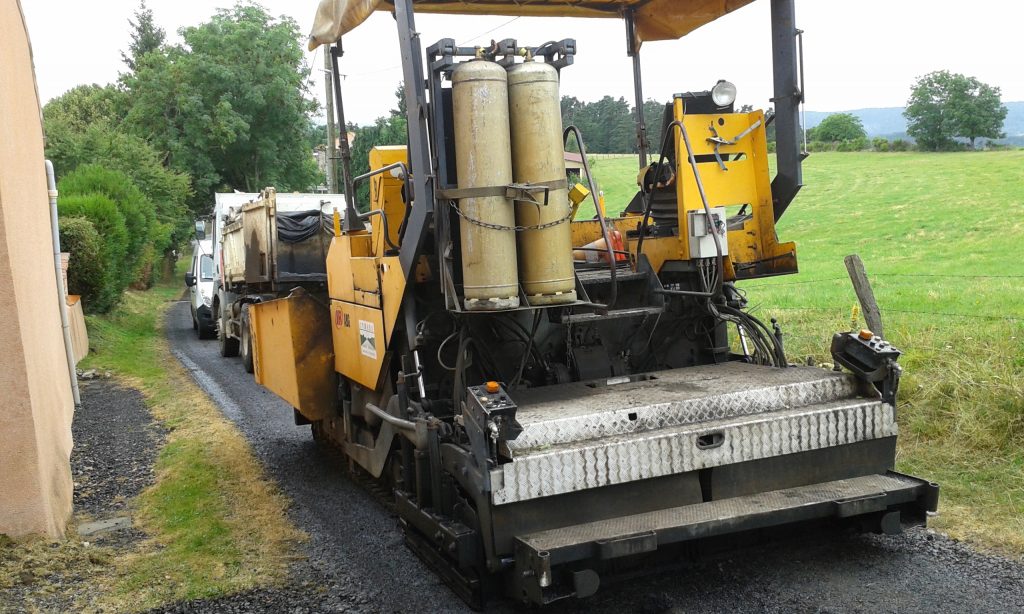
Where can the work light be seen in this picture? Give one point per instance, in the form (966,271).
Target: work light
(724,93)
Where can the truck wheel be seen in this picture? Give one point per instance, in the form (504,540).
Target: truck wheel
(319,433)
(245,347)
(228,345)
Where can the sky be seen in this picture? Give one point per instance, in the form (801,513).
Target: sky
(858,54)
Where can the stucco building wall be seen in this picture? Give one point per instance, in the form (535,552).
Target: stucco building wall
(35,392)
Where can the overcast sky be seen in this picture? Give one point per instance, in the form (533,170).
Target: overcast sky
(857,54)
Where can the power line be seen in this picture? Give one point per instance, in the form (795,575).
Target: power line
(469,40)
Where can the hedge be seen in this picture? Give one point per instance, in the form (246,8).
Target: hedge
(109,225)
(138,212)
(85,270)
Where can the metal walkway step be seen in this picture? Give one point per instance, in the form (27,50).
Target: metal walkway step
(603,275)
(645,532)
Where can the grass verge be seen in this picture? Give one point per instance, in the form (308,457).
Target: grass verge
(217,524)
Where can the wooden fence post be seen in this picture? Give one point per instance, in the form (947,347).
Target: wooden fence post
(862,287)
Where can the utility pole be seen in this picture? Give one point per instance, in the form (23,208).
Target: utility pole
(332,134)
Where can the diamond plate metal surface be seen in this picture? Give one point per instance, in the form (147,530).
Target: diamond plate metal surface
(620,458)
(555,427)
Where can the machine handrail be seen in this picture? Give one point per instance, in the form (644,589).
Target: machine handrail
(597,209)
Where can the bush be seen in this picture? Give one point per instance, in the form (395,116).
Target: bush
(137,210)
(899,145)
(857,144)
(109,226)
(85,271)
(880,144)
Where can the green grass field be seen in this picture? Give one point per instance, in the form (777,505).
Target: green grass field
(940,235)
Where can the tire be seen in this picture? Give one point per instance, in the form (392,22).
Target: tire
(319,433)
(195,322)
(228,345)
(207,332)
(245,346)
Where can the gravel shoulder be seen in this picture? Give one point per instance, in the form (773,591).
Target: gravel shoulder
(356,560)
(116,442)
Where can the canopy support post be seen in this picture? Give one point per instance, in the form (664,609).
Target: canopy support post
(352,220)
(788,97)
(421,168)
(633,51)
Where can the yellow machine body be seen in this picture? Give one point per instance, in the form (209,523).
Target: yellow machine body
(291,355)
(365,288)
(483,159)
(754,249)
(535,118)
(744,184)
(386,194)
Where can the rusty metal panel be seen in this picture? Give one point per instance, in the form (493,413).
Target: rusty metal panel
(256,235)
(359,342)
(292,353)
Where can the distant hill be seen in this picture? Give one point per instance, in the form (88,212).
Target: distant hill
(889,121)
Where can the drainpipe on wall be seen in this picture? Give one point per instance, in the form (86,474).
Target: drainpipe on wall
(62,294)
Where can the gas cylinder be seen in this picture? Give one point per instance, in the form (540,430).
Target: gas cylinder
(535,117)
(483,159)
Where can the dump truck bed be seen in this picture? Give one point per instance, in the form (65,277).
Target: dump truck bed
(278,239)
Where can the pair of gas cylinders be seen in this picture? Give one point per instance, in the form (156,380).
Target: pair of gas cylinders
(508,129)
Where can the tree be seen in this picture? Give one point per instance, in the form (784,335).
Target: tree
(82,127)
(838,128)
(86,105)
(654,115)
(390,130)
(145,34)
(607,125)
(945,105)
(229,106)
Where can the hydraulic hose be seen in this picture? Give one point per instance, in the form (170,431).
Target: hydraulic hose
(720,261)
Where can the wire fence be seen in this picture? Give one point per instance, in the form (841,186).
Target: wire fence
(885,310)
(873,275)
(978,316)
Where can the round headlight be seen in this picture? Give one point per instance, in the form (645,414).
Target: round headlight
(724,93)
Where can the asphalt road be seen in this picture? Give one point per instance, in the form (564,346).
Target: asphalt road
(356,559)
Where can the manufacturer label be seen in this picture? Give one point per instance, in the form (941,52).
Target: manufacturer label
(367,339)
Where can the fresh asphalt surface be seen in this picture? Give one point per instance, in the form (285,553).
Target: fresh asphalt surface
(357,560)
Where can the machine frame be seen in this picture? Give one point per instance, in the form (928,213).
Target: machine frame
(629,446)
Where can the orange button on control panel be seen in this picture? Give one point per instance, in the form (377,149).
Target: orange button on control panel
(492,387)
(865,334)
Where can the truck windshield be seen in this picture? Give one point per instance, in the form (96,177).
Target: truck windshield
(205,267)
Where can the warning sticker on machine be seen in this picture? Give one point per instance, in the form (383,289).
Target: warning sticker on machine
(367,339)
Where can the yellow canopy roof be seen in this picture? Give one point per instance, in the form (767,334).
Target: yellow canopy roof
(655,19)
